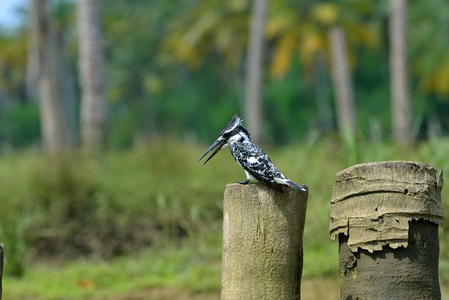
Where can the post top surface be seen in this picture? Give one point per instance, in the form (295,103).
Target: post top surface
(259,186)
(374,167)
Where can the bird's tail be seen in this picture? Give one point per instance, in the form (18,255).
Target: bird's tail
(296,186)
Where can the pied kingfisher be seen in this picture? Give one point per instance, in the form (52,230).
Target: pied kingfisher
(255,163)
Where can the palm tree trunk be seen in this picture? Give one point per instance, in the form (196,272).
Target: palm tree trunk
(320,83)
(33,53)
(91,64)
(401,110)
(346,113)
(68,95)
(53,127)
(254,62)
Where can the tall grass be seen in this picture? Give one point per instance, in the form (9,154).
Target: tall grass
(161,197)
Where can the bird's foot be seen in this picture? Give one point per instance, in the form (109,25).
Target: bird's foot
(243,182)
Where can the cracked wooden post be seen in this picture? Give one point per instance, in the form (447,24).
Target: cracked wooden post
(386,217)
(262,242)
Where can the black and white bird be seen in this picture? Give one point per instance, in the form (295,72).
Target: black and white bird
(255,163)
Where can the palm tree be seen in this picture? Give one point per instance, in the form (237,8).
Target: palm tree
(91,66)
(64,21)
(210,26)
(322,32)
(342,81)
(254,71)
(321,87)
(33,53)
(429,45)
(401,112)
(46,68)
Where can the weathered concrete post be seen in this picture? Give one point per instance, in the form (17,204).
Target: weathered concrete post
(262,242)
(386,217)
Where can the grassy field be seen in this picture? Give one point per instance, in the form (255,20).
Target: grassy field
(77,227)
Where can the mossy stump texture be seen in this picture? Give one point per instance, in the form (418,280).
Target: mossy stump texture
(386,216)
(262,242)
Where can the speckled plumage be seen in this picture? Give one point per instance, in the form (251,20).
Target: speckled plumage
(250,157)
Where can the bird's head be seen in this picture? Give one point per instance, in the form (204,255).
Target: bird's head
(233,131)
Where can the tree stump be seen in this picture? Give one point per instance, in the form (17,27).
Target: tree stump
(386,216)
(262,242)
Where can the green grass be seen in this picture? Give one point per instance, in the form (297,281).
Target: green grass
(194,267)
(151,216)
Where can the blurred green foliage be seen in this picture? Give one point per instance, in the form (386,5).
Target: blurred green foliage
(160,198)
(177,68)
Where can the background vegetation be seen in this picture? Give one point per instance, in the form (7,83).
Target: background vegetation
(172,61)
(70,220)
(144,213)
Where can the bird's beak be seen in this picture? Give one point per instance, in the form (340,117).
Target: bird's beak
(219,144)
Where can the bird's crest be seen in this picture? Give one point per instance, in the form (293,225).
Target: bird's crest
(235,122)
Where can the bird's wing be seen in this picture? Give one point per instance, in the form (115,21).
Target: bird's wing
(259,165)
